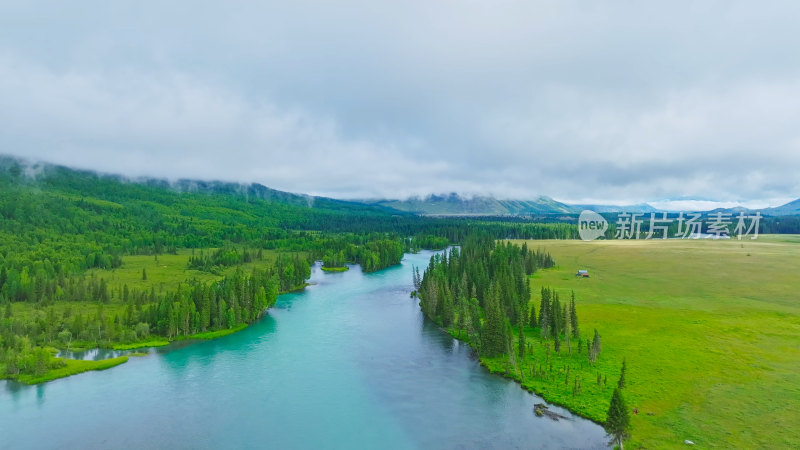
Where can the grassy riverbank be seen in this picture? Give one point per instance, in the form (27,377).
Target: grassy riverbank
(141,344)
(164,272)
(710,331)
(71,367)
(214,334)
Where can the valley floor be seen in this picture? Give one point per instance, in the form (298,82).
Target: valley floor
(710,331)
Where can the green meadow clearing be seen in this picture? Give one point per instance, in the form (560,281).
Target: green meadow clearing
(164,272)
(167,270)
(710,331)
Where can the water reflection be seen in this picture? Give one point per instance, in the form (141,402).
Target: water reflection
(431,330)
(353,364)
(40,393)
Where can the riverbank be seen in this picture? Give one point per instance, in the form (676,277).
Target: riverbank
(74,367)
(674,309)
(354,342)
(552,380)
(71,367)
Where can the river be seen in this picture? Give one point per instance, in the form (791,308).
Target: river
(348,363)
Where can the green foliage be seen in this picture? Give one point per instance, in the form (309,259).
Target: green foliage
(90,260)
(215,334)
(594,350)
(372,251)
(676,308)
(141,344)
(618,423)
(71,367)
(495,276)
(428,241)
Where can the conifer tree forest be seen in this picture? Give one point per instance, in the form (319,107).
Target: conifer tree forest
(480,293)
(66,234)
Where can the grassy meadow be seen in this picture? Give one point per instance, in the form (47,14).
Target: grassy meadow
(73,367)
(164,272)
(710,331)
(167,270)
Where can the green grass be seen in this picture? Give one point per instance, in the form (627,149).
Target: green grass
(156,342)
(163,274)
(335,269)
(168,270)
(213,334)
(710,330)
(72,367)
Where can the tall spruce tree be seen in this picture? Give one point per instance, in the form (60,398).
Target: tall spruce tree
(618,422)
(555,315)
(493,334)
(573,317)
(594,350)
(567,330)
(544,319)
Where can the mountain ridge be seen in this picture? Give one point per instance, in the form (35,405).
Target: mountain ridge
(456,205)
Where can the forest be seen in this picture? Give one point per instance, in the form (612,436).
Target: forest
(67,234)
(84,257)
(481,294)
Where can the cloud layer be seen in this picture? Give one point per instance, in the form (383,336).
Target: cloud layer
(615,103)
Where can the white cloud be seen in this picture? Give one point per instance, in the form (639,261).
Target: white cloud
(618,102)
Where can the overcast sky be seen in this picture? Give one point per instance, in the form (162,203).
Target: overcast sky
(600,101)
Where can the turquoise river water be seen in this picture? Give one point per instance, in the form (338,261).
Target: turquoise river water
(348,363)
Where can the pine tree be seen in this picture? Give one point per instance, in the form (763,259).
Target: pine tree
(104,296)
(521,338)
(493,334)
(594,350)
(618,422)
(621,383)
(144,275)
(544,320)
(533,323)
(573,317)
(567,331)
(512,358)
(555,315)
(447,310)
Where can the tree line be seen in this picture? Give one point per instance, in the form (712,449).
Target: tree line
(188,309)
(481,294)
(482,289)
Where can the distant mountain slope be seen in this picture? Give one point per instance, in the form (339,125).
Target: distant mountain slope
(790,209)
(639,208)
(52,177)
(456,205)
